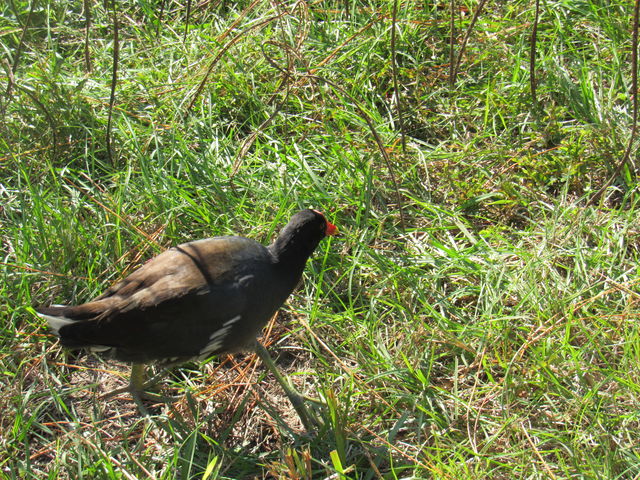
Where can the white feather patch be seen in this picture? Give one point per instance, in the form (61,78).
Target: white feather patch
(216,339)
(99,348)
(56,323)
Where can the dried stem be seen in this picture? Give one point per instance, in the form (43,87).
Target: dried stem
(394,68)
(114,80)
(626,158)
(532,55)
(452,28)
(87,29)
(465,40)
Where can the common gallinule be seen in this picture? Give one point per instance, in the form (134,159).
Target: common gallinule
(195,300)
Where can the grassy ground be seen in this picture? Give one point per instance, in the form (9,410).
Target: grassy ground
(476,318)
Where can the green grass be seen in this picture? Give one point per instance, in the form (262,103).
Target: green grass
(493,335)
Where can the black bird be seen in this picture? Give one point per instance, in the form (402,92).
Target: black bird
(195,300)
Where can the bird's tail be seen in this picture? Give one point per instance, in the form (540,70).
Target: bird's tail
(76,324)
(55,317)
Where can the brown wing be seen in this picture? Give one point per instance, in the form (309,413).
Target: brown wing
(172,274)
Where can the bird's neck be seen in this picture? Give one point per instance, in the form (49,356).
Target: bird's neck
(289,258)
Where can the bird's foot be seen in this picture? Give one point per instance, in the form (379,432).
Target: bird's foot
(308,416)
(309,419)
(137,388)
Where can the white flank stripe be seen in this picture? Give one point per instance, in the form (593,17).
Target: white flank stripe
(231,322)
(216,339)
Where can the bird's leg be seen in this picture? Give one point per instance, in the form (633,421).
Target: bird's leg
(137,387)
(137,377)
(136,382)
(308,419)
